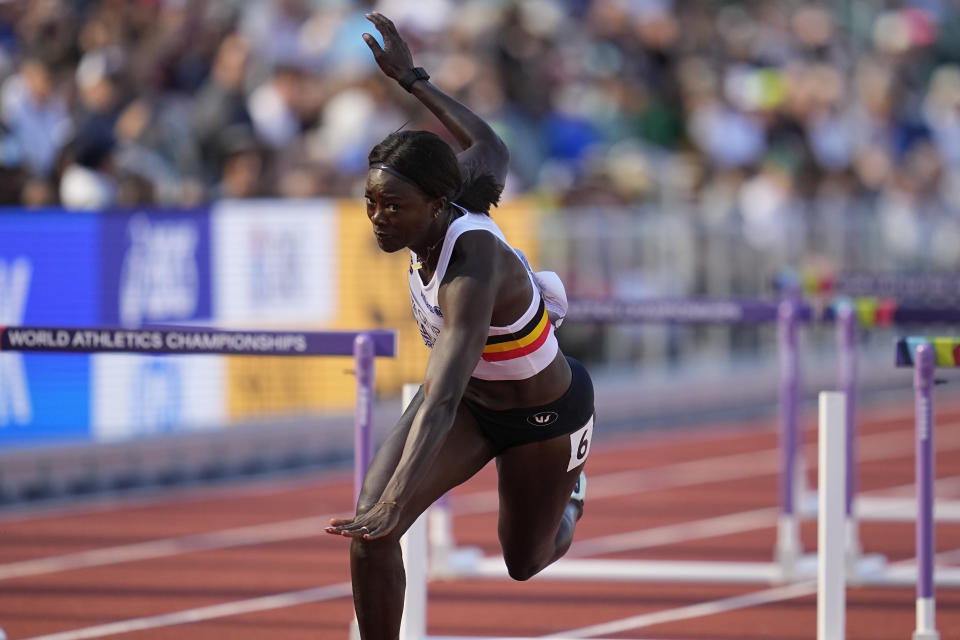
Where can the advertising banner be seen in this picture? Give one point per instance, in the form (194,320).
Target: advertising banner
(48,276)
(139,395)
(275,266)
(275,263)
(156,267)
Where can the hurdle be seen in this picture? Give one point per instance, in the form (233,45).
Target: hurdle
(850,314)
(788,314)
(832,496)
(363,345)
(925,355)
(789,562)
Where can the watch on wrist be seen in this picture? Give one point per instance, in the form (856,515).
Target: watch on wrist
(417,73)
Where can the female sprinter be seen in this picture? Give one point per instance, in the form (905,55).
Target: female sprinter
(496,387)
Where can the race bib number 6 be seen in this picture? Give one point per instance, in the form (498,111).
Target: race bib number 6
(580,444)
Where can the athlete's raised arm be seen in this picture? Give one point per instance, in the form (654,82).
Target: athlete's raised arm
(483,150)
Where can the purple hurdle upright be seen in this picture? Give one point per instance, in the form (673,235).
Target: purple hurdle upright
(792,487)
(924,367)
(363,353)
(847,382)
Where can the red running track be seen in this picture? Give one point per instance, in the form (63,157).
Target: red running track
(251,561)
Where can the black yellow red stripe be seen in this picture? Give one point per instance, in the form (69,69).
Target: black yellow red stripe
(520,343)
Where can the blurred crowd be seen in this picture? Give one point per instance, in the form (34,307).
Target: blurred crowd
(753,106)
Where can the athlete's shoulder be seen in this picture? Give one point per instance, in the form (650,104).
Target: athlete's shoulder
(476,246)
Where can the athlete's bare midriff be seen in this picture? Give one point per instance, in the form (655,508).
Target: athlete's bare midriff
(543,388)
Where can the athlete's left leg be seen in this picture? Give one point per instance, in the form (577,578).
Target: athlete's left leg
(537,516)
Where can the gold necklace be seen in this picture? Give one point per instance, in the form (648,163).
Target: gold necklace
(416,265)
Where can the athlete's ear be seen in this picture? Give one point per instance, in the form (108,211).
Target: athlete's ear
(438,205)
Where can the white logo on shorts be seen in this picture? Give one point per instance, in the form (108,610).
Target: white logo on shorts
(543,419)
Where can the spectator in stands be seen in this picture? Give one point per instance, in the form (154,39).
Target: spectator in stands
(34,110)
(220,108)
(88,181)
(602,101)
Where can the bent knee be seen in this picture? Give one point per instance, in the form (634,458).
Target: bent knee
(374,550)
(522,569)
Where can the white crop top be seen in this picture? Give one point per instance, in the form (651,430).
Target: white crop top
(517,351)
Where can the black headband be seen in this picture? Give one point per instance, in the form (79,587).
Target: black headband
(395,173)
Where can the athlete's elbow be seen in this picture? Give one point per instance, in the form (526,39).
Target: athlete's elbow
(441,408)
(502,150)
(499,158)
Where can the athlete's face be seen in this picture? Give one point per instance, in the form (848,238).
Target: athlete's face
(400,212)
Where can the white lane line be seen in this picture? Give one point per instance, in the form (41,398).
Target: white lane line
(776,594)
(222,539)
(250,535)
(724,605)
(164,496)
(343,589)
(211,612)
(689,530)
(675,533)
(873,448)
(883,446)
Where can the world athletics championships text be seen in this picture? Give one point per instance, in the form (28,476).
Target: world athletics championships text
(656,310)
(154,341)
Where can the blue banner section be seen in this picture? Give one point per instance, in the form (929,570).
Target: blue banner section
(49,266)
(44,399)
(156,267)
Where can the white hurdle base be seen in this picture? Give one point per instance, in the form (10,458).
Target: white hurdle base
(888,509)
(892,509)
(869,570)
(906,576)
(614,570)
(926,630)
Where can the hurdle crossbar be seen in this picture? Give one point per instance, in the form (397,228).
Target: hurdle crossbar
(906,286)
(191,340)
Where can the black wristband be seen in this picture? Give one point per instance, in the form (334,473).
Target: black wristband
(417,73)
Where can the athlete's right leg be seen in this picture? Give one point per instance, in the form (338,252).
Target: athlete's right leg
(376,566)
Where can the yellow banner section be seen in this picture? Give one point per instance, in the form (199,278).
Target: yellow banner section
(260,386)
(372,292)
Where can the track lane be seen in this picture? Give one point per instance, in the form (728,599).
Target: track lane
(157,587)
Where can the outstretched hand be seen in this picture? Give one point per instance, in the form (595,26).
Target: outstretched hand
(394,58)
(375,523)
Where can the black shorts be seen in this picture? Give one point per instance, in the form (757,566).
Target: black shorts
(569,413)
